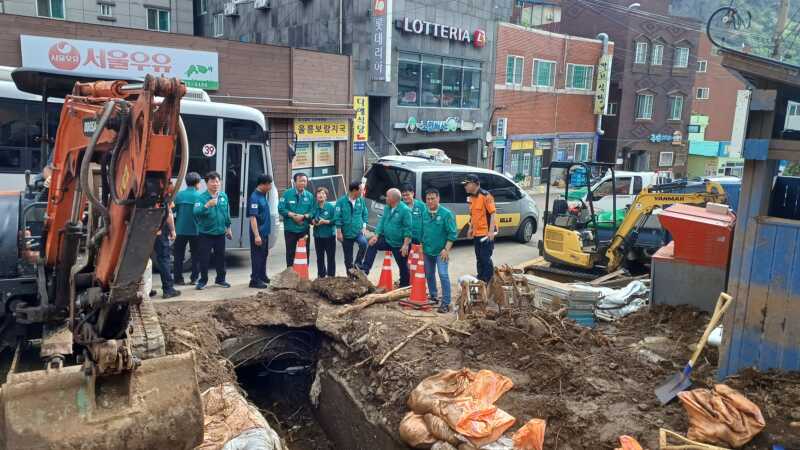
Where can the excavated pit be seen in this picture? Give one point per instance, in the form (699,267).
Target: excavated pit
(329,391)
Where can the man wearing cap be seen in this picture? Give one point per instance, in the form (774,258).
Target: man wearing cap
(417,208)
(393,233)
(481,229)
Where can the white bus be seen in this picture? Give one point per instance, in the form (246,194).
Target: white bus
(229,139)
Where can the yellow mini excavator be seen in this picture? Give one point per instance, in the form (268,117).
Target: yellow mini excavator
(571,235)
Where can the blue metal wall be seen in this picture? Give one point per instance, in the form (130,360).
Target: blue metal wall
(766,314)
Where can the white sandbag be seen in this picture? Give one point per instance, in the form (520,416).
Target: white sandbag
(255,439)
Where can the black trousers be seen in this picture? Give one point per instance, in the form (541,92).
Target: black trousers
(160,259)
(347,249)
(258,259)
(291,238)
(179,250)
(326,249)
(483,258)
(209,244)
(402,261)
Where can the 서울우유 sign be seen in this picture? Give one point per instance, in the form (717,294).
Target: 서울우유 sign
(121,61)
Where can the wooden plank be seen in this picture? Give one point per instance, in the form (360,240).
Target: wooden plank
(609,276)
(791,323)
(763,100)
(784,149)
(776,309)
(762,259)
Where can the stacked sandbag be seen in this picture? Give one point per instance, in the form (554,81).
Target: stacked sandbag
(231,423)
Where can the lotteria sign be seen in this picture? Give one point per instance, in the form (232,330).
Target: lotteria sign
(124,61)
(417,26)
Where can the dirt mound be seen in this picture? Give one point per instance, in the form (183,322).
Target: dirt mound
(341,290)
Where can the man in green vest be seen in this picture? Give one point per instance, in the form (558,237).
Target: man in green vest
(351,220)
(393,233)
(213,213)
(296,206)
(186,229)
(417,208)
(439,232)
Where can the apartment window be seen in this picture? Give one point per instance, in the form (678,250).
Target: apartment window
(681,57)
(703,93)
(611,109)
(702,66)
(675,107)
(582,151)
(50,8)
(644,106)
(437,82)
(544,73)
(794,109)
(665,159)
(105,10)
(641,53)
(579,77)
(157,19)
(219,25)
(203,7)
(658,55)
(514,65)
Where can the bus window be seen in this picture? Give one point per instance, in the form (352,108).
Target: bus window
(200,131)
(233,175)
(242,130)
(255,166)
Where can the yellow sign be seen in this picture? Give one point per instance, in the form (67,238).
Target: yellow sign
(321,129)
(521,145)
(537,152)
(361,119)
(504,220)
(603,78)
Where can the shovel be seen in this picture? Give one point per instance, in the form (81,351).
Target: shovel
(670,388)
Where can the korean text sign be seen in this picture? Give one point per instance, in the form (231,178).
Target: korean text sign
(122,61)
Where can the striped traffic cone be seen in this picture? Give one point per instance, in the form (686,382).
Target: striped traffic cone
(386,282)
(301,259)
(419,291)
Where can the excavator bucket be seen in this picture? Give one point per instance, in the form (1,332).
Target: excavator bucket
(156,406)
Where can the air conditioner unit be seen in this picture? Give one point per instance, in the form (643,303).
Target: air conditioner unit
(230,8)
(262,4)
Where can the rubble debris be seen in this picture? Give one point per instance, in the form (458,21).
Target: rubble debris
(404,342)
(414,431)
(371,299)
(683,443)
(232,423)
(340,290)
(616,303)
(290,280)
(721,416)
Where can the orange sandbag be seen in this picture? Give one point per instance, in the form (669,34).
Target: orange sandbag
(488,386)
(479,422)
(414,432)
(530,436)
(447,385)
(722,416)
(628,443)
(440,429)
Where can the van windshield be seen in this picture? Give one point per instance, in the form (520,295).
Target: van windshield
(381,178)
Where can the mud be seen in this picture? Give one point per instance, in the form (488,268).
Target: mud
(591,385)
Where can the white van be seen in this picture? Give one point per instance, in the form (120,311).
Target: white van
(627,184)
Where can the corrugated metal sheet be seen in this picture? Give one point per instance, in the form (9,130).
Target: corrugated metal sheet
(766,315)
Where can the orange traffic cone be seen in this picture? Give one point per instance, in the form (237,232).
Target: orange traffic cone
(386,282)
(419,291)
(301,259)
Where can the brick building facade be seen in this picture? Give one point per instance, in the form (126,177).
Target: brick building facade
(285,84)
(713,110)
(545,87)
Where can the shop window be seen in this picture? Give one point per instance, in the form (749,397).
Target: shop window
(703,93)
(665,159)
(702,66)
(526,163)
(219,25)
(658,55)
(515,169)
(640,56)
(514,65)
(158,19)
(53,9)
(675,107)
(681,60)
(579,77)
(582,151)
(408,79)
(544,73)
(433,81)
(451,83)
(644,106)
(442,181)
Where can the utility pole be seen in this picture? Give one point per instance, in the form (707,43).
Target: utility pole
(783,17)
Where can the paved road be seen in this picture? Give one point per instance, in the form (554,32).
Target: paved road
(462,258)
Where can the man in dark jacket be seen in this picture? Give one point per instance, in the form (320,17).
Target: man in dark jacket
(260,229)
